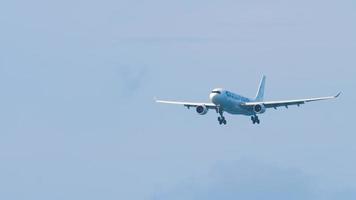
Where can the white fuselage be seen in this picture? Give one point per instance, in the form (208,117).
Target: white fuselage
(230,102)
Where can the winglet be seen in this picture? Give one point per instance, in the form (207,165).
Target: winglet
(338,94)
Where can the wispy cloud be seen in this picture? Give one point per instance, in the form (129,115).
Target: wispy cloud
(248,180)
(167,39)
(131,78)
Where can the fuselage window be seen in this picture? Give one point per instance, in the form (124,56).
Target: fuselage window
(216,92)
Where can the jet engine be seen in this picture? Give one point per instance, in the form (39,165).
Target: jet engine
(259,108)
(202,110)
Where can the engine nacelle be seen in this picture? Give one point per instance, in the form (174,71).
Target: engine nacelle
(259,108)
(202,110)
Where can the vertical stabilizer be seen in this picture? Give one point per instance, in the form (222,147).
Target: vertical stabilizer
(261,90)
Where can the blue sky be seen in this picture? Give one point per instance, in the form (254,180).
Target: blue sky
(77,81)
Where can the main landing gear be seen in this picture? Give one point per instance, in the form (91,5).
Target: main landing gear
(221,118)
(255,119)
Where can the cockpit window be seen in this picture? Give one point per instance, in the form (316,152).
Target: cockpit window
(216,92)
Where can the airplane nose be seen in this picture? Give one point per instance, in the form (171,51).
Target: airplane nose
(213,97)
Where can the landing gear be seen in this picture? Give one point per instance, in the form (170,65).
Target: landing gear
(255,119)
(221,118)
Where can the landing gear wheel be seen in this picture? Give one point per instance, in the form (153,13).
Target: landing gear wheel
(222,120)
(255,119)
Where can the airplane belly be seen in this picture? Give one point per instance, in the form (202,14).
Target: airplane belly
(235,109)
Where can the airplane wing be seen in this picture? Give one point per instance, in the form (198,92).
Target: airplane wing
(189,104)
(286,103)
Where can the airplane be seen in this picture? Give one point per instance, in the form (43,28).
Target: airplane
(235,104)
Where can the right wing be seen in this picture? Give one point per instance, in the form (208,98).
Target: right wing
(189,104)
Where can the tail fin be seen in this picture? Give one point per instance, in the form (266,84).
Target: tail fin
(261,90)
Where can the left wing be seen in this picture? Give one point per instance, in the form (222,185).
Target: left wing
(189,104)
(286,103)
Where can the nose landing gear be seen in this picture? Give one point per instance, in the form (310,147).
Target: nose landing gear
(255,119)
